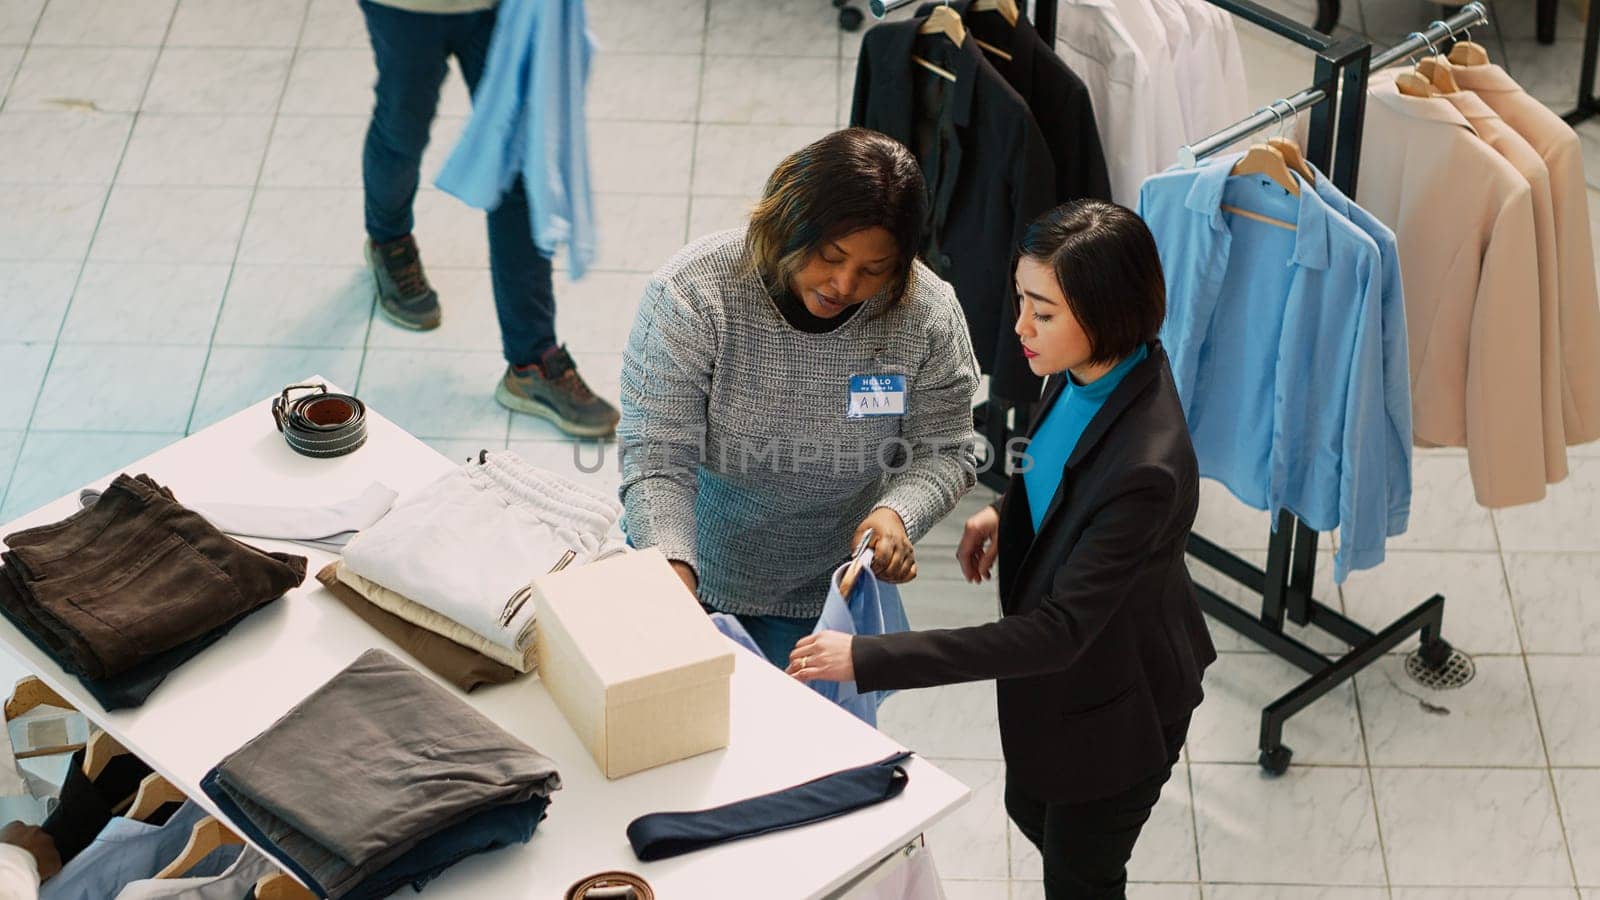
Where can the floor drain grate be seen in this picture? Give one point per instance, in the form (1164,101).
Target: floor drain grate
(1457,671)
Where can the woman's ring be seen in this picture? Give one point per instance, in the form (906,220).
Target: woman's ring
(803,661)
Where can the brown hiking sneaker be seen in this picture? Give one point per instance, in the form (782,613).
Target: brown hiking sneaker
(404,294)
(552,389)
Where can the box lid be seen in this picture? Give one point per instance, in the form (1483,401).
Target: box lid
(636,625)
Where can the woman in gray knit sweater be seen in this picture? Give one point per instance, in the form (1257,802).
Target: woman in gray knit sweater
(790,384)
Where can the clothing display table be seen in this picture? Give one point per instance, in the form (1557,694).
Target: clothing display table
(782,732)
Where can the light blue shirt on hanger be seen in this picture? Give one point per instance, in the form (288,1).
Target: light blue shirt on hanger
(1396,349)
(1276,341)
(128,850)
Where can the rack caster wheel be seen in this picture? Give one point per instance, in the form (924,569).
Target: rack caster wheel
(850,18)
(1436,654)
(1276,762)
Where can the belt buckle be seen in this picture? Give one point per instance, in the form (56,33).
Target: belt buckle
(280,405)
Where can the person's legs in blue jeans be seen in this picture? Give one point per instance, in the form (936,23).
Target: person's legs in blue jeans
(524,297)
(411,51)
(541,378)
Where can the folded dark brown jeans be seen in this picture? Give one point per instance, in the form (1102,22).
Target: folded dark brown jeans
(461,666)
(133,576)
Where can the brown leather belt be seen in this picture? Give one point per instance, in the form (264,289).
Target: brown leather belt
(320,425)
(611,886)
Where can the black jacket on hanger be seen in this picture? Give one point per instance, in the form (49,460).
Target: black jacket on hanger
(1057,97)
(1101,644)
(988,170)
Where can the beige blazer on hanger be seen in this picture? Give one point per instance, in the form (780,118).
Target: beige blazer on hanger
(1510,145)
(1463,217)
(1562,151)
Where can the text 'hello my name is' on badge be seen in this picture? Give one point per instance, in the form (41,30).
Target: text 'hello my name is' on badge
(876,395)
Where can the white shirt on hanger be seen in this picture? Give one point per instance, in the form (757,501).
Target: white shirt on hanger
(1166,115)
(1198,74)
(1131,96)
(1215,92)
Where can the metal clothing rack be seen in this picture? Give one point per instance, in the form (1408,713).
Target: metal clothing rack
(1337,104)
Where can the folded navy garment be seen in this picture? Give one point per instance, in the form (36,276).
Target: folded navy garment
(496,827)
(491,829)
(380,778)
(663,835)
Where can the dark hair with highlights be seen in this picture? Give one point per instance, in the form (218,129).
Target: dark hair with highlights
(1106,263)
(838,185)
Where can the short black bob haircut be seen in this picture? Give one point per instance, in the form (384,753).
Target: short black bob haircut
(1107,266)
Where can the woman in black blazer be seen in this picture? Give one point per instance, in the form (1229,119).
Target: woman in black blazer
(1099,652)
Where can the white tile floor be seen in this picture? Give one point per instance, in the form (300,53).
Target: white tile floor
(180,225)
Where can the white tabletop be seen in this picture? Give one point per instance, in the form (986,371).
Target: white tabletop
(782,732)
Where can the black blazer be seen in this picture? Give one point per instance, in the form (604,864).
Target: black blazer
(1057,97)
(1101,641)
(994,177)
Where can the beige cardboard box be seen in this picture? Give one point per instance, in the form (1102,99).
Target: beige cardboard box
(633,662)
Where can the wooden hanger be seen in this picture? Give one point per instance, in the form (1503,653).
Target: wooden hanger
(1418,82)
(1264,159)
(207,836)
(1292,157)
(847,582)
(946,21)
(940,71)
(1467,53)
(279,886)
(1411,84)
(991,49)
(1288,149)
(103,748)
(1006,8)
(30,694)
(154,793)
(1437,70)
(943,20)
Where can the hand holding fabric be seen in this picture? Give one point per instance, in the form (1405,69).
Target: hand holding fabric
(824,656)
(893,560)
(980,544)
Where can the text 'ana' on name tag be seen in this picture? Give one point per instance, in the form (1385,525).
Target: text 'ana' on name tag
(876,395)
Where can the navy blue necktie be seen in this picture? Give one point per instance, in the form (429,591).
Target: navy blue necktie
(662,835)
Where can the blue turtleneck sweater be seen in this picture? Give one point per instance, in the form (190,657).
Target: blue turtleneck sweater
(1057,436)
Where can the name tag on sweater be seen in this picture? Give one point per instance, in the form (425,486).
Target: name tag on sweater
(876,395)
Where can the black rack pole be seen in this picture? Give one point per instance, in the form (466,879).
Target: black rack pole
(1587,106)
